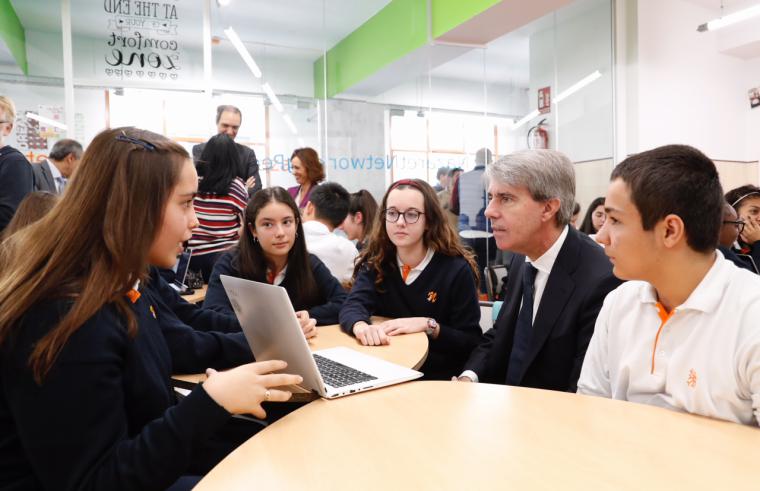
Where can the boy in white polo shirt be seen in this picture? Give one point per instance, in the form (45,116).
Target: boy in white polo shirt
(687,335)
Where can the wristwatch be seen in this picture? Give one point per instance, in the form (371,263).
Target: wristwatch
(432,325)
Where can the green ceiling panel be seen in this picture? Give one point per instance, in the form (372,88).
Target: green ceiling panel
(12,32)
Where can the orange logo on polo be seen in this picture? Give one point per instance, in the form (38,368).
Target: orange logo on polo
(692,380)
(432,296)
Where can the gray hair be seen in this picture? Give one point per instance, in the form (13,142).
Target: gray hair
(227,108)
(64,147)
(546,173)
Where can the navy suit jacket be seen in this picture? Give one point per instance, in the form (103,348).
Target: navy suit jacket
(43,177)
(579,280)
(247,157)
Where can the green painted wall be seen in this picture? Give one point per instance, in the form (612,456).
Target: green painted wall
(12,32)
(448,14)
(398,29)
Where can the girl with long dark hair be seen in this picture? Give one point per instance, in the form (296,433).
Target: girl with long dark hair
(362,209)
(272,249)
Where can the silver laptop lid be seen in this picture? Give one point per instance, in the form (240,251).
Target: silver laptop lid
(271,327)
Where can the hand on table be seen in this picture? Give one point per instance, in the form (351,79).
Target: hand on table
(370,334)
(404,325)
(243,389)
(461,378)
(308,325)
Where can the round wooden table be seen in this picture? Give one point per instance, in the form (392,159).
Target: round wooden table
(450,435)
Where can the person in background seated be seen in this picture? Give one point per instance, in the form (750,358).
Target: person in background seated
(16,173)
(557,279)
(415,271)
(33,207)
(219,204)
(746,201)
(86,400)
(594,218)
(308,172)
(730,229)
(228,120)
(682,332)
(442,176)
(53,174)
(273,250)
(362,210)
(576,214)
(326,210)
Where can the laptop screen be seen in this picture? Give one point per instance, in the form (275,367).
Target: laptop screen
(182,264)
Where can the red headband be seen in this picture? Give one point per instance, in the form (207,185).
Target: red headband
(406,182)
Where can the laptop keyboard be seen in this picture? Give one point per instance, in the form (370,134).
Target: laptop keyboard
(338,375)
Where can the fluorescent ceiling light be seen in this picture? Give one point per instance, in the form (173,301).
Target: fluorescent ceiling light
(525,119)
(577,86)
(243,51)
(272,97)
(48,121)
(730,19)
(290,124)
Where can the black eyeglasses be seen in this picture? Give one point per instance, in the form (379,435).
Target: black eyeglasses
(739,224)
(410,216)
(136,141)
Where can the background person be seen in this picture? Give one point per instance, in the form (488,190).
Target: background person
(308,172)
(15,171)
(594,218)
(228,121)
(219,204)
(53,173)
(362,212)
(746,201)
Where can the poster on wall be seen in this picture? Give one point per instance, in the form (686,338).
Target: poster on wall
(544,99)
(141,41)
(754,97)
(34,138)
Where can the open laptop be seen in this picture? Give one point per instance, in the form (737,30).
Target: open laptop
(272,329)
(180,273)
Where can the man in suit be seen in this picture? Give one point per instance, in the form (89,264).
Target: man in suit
(228,119)
(16,180)
(53,174)
(557,279)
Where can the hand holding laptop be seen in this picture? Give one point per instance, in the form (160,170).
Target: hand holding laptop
(308,325)
(243,389)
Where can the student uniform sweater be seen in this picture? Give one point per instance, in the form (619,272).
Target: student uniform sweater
(106,416)
(445,291)
(325,310)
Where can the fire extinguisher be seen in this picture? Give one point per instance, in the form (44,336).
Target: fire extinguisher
(538,136)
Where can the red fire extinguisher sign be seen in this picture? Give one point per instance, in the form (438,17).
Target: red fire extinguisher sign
(544,99)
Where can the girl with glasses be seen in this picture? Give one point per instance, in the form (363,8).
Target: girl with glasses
(415,271)
(86,400)
(746,201)
(272,249)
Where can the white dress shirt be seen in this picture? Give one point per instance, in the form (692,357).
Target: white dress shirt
(543,265)
(338,253)
(415,272)
(705,360)
(58,179)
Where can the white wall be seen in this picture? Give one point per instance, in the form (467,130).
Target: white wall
(688,92)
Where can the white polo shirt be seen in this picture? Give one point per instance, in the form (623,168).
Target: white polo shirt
(704,359)
(338,253)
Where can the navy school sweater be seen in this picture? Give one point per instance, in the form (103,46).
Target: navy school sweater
(445,291)
(324,310)
(106,416)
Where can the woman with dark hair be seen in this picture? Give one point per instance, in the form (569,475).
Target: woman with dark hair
(362,209)
(33,207)
(219,204)
(308,171)
(272,250)
(415,271)
(86,400)
(746,201)
(594,218)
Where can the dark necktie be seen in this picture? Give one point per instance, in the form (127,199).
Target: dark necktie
(523,327)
